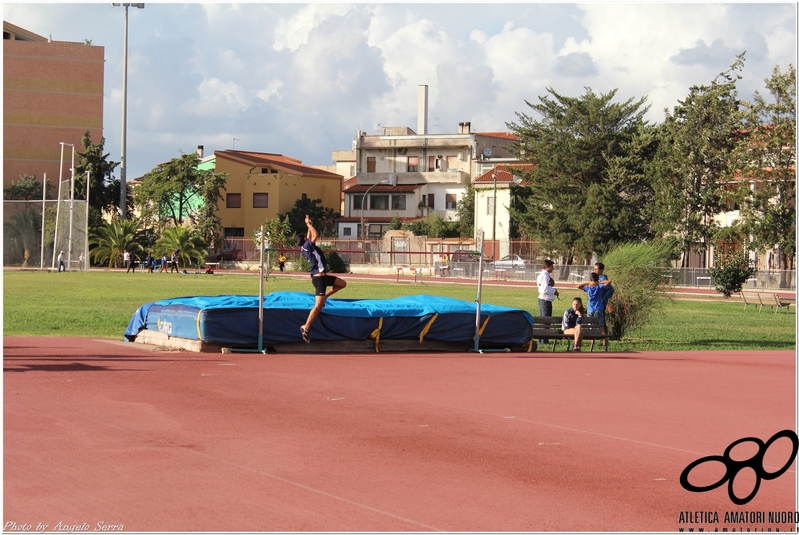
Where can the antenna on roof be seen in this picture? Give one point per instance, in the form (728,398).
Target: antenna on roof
(234,143)
(435,125)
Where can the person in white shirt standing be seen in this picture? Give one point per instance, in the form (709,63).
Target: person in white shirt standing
(546,290)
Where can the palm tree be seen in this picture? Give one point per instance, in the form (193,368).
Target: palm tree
(192,246)
(112,239)
(22,232)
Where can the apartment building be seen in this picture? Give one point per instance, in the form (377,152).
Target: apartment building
(52,93)
(400,172)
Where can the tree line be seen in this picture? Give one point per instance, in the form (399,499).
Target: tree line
(602,175)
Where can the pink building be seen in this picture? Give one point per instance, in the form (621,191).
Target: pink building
(52,92)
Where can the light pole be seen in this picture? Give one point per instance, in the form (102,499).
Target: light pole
(58,202)
(44,200)
(86,237)
(494,231)
(71,207)
(123,188)
(363,203)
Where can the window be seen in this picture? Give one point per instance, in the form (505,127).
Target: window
(490,206)
(376,230)
(304,196)
(431,163)
(233,200)
(347,231)
(357,202)
(352,170)
(260,200)
(452,201)
(234,232)
(431,201)
(398,202)
(371,164)
(452,163)
(413,164)
(378,202)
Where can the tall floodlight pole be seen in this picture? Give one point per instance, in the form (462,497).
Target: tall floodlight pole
(86,228)
(44,206)
(71,207)
(58,203)
(123,188)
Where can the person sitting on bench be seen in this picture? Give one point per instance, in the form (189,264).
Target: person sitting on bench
(572,322)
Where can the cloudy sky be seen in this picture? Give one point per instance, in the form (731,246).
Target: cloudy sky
(300,79)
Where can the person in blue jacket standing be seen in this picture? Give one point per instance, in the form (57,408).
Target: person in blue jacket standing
(596,302)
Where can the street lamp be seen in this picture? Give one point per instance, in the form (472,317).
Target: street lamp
(494,231)
(123,164)
(363,203)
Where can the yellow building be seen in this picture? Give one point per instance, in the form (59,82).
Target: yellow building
(262,185)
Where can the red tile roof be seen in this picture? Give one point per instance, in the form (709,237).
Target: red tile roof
(503,135)
(504,172)
(278,161)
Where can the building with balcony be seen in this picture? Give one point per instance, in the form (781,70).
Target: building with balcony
(52,93)
(430,173)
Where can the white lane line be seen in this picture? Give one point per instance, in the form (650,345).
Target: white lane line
(281,479)
(603,435)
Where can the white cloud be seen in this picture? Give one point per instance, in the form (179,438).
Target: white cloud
(272,89)
(217,98)
(293,32)
(202,74)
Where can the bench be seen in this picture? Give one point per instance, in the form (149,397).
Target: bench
(764,299)
(751,298)
(549,328)
(773,300)
(417,273)
(497,272)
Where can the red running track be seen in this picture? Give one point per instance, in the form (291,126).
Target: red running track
(99,433)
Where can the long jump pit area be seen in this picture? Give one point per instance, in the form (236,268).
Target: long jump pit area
(105,435)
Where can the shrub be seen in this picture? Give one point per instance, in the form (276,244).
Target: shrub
(730,273)
(334,263)
(636,271)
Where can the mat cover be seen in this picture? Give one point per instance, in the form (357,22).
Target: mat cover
(233,319)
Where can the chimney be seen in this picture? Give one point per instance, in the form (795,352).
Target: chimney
(465,128)
(200,151)
(421,112)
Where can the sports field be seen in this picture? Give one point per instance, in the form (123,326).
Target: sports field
(101,434)
(101,303)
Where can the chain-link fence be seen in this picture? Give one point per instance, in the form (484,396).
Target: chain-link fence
(419,251)
(30,240)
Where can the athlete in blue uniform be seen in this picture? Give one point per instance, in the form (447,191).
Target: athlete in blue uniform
(319,277)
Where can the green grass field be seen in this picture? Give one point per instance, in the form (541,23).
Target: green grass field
(100,304)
